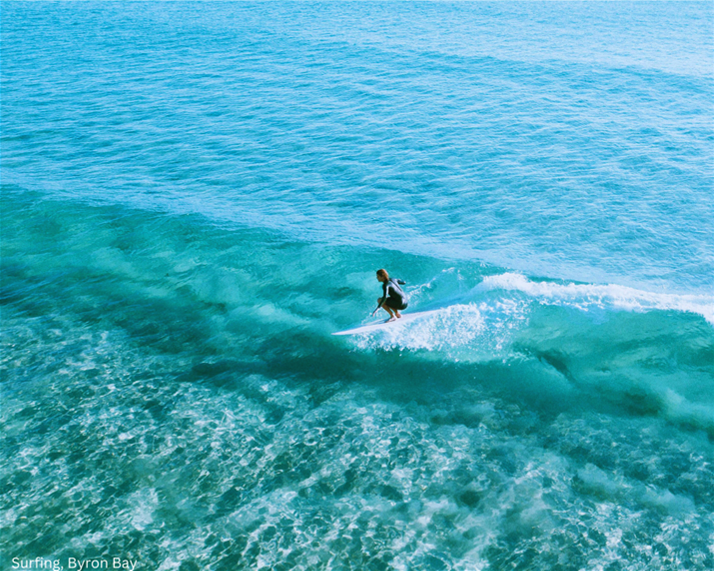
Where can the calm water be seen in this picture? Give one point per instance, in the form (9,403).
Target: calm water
(195,196)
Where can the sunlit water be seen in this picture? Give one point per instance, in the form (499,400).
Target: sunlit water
(195,196)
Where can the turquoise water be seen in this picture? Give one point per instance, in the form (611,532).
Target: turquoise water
(196,195)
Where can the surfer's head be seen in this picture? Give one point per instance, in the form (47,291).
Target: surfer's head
(382,275)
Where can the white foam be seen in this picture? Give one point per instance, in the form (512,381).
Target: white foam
(143,505)
(584,296)
(484,328)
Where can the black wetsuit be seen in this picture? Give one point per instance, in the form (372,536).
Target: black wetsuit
(395,296)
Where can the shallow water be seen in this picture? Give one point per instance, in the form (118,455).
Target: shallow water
(195,196)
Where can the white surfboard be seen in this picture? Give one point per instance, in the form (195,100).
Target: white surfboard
(383,325)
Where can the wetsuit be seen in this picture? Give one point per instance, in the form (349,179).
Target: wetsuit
(395,296)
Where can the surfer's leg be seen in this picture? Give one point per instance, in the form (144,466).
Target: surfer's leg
(385,307)
(402,307)
(391,309)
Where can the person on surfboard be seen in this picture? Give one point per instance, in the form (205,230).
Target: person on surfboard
(394,298)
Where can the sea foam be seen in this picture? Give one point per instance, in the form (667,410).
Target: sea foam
(585,296)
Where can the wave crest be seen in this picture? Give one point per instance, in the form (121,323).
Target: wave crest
(586,296)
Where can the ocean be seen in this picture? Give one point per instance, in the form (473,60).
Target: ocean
(196,195)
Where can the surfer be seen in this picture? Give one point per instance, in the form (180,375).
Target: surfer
(394,298)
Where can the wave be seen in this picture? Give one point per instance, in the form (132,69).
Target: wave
(474,331)
(587,296)
(599,347)
(489,313)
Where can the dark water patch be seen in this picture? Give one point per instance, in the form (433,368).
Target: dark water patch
(195,296)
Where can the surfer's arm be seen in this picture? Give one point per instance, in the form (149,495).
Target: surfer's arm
(380,301)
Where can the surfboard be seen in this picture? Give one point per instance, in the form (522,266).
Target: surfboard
(381,325)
